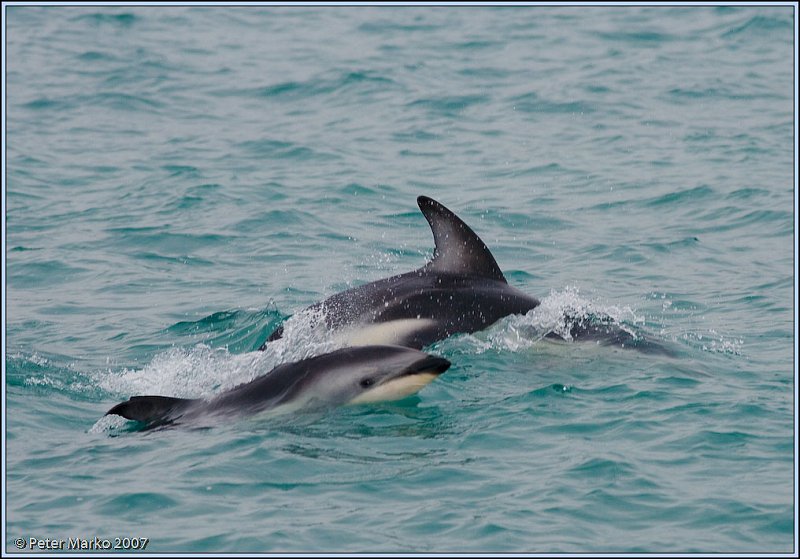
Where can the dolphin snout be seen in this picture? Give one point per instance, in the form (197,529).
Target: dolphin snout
(430,364)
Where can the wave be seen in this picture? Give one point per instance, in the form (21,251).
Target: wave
(554,319)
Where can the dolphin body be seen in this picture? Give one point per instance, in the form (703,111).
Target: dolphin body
(347,376)
(460,290)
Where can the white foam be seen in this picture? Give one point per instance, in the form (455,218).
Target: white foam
(557,313)
(108,423)
(202,371)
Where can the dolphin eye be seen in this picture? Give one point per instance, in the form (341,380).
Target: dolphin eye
(367,382)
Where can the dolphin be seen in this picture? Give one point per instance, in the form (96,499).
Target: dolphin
(460,290)
(353,375)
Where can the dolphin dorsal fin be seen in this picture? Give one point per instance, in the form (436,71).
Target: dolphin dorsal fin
(458,249)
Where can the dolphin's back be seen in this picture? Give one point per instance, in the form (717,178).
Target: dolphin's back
(433,305)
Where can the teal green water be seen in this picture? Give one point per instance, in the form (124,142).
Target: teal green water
(180,180)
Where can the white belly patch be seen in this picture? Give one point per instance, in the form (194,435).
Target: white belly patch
(394,332)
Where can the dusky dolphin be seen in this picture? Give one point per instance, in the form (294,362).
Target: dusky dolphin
(352,375)
(460,290)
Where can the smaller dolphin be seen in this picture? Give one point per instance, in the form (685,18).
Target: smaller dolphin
(353,375)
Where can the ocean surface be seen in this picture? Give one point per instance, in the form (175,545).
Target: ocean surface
(180,180)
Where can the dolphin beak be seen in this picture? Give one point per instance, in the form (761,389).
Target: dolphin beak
(430,364)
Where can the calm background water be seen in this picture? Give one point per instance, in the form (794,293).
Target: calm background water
(180,180)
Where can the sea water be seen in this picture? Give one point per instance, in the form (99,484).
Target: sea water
(181,180)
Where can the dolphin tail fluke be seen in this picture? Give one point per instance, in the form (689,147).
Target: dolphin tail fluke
(150,409)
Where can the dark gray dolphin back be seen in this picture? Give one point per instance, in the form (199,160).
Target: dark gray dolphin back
(458,249)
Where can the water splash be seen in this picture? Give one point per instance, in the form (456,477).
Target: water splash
(202,371)
(713,342)
(557,317)
(109,424)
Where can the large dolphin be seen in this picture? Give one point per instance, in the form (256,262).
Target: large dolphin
(461,290)
(352,375)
